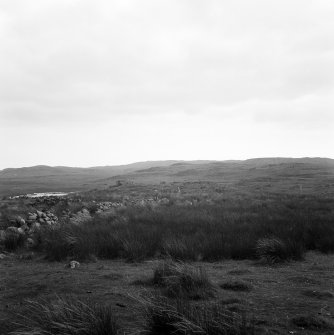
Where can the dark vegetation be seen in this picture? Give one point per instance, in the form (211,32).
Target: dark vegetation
(182,280)
(67,317)
(273,232)
(165,316)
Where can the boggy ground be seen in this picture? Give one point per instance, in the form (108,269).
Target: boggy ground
(272,296)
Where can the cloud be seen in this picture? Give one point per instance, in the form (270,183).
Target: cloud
(71,63)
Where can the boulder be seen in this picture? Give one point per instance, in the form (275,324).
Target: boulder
(20,231)
(39,214)
(73,264)
(32,217)
(20,221)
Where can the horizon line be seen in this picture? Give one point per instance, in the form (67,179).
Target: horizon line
(165,160)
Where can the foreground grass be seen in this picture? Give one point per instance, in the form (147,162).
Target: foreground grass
(279,299)
(178,317)
(67,317)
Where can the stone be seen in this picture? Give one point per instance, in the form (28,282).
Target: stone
(20,231)
(25,227)
(32,217)
(74,264)
(39,214)
(20,221)
(40,220)
(2,256)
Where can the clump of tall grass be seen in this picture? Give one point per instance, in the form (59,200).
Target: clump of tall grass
(67,317)
(179,317)
(181,249)
(273,250)
(205,232)
(178,279)
(13,241)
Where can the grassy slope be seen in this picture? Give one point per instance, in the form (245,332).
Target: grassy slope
(281,172)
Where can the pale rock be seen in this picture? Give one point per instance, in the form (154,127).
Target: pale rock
(20,221)
(39,214)
(74,264)
(20,231)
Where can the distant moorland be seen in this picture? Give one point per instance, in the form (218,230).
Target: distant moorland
(289,174)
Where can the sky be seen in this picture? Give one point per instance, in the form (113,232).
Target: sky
(88,83)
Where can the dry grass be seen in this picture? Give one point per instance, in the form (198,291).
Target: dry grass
(66,317)
(164,316)
(178,279)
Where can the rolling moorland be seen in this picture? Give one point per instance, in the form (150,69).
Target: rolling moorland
(170,247)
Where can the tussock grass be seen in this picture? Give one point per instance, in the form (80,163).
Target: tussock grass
(179,317)
(67,317)
(273,250)
(13,241)
(178,279)
(207,232)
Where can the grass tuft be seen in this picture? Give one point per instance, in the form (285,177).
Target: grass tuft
(67,317)
(177,317)
(274,250)
(178,279)
(14,241)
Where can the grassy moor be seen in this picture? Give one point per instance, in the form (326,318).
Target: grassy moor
(175,247)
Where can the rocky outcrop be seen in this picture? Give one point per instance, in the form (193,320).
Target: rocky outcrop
(28,227)
(42,218)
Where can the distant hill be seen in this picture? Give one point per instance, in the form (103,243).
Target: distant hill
(41,178)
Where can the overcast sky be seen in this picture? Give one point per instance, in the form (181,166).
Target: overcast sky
(86,83)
